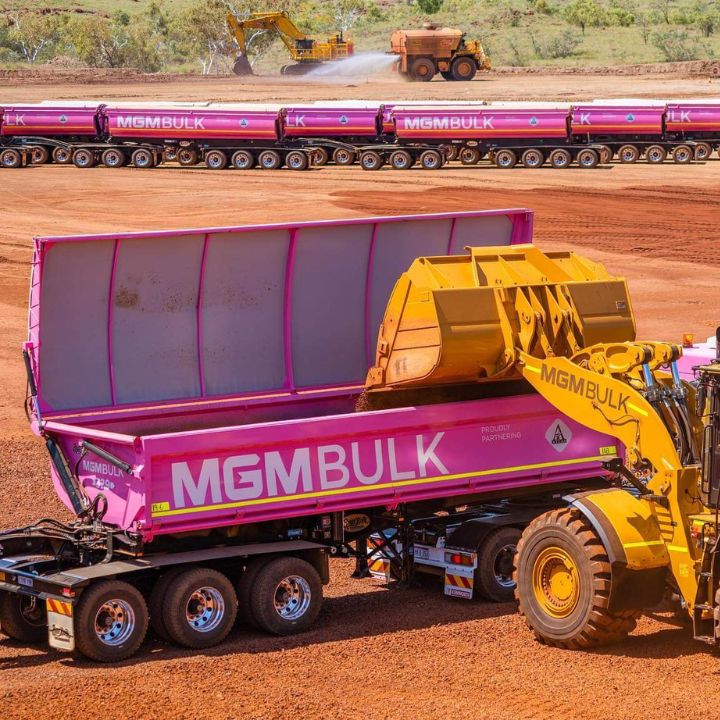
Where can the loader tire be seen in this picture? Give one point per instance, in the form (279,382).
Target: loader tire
(463,68)
(22,617)
(563,579)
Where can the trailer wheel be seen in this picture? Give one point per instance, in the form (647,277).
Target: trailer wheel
(297,160)
(606,154)
(156,604)
(422,69)
(343,156)
(682,154)
(215,160)
(371,160)
(560,159)
(286,596)
(431,160)
(321,156)
(588,159)
(10,158)
(200,608)
(245,589)
(470,156)
(463,68)
(494,574)
(401,160)
(186,157)
(83,158)
(269,160)
(113,158)
(563,578)
(243,160)
(451,152)
(111,621)
(62,156)
(143,159)
(628,154)
(655,154)
(23,617)
(703,151)
(532,158)
(505,159)
(40,155)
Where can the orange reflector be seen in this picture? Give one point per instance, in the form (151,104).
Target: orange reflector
(688,339)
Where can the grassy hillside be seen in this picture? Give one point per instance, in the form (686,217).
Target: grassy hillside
(514,32)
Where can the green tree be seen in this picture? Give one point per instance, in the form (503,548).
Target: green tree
(430,7)
(32,35)
(675,45)
(585,13)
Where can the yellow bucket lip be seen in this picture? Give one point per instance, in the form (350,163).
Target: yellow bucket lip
(555,582)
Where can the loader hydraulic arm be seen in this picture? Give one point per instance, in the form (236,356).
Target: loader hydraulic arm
(277,22)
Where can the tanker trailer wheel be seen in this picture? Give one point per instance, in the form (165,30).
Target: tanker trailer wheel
(10,158)
(186,157)
(286,596)
(606,154)
(111,621)
(297,160)
(40,155)
(682,154)
(422,69)
(113,158)
(343,156)
(200,608)
(215,160)
(560,159)
(470,156)
(532,158)
(563,579)
(401,160)
(245,589)
(143,159)
(269,160)
(371,160)
(243,160)
(62,156)
(321,156)
(463,68)
(655,154)
(83,158)
(505,159)
(588,159)
(156,604)
(494,574)
(22,617)
(431,160)
(451,152)
(628,154)
(703,151)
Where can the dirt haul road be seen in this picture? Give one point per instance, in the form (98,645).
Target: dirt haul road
(375,653)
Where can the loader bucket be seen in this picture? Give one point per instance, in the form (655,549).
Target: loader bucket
(463,318)
(242,66)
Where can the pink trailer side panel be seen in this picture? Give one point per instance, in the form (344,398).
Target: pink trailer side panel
(191,124)
(695,117)
(331,122)
(48,121)
(625,120)
(456,123)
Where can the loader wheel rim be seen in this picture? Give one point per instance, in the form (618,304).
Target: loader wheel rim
(114,622)
(556,582)
(293,597)
(205,609)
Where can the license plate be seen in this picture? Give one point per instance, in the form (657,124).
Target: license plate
(27,582)
(422,553)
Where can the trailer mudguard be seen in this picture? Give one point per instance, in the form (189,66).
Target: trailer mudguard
(627,527)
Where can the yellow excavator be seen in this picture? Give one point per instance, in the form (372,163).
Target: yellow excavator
(307,52)
(585,570)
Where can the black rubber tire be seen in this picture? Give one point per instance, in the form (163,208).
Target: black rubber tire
(244,590)
(243,160)
(297,160)
(628,154)
(371,160)
(422,69)
(215,160)
(157,601)
(496,556)
(683,155)
(143,159)
(187,158)
(431,160)
(532,158)
(23,617)
(505,159)
(87,642)
(588,159)
(321,156)
(702,151)
(450,152)
(10,158)
(269,160)
(560,159)
(344,157)
(463,68)
(40,155)
(62,156)
(263,593)
(590,623)
(469,156)
(177,598)
(113,158)
(447,75)
(84,159)
(401,160)
(655,154)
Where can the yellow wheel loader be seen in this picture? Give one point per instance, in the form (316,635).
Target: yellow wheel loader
(564,326)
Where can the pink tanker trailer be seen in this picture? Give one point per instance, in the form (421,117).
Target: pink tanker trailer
(200,393)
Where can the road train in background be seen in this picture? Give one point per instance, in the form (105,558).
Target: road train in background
(370,133)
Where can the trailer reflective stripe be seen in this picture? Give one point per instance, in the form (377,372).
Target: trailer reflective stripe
(380,486)
(459,581)
(60,607)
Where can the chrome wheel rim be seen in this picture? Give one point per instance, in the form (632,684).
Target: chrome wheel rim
(241,161)
(504,160)
(532,159)
(503,566)
(294,161)
(268,162)
(205,609)
(114,622)
(292,597)
(112,159)
(214,161)
(370,162)
(586,160)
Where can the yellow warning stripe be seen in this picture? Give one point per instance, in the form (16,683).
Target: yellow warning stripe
(643,543)
(459,581)
(380,486)
(59,606)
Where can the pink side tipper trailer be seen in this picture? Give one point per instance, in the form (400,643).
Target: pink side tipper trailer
(199,392)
